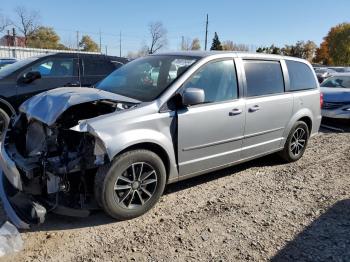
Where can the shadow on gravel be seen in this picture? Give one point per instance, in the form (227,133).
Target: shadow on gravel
(57,222)
(330,125)
(325,239)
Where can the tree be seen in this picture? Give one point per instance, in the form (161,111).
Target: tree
(216,45)
(195,45)
(229,45)
(44,37)
(322,54)
(270,50)
(187,44)
(309,50)
(87,44)
(28,21)
(338,40)
(158,37)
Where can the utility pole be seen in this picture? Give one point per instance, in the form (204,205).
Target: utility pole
(206,33)
(106,49)
(14,37)
(100,41)
(77,40)
(182,43)
(120,44)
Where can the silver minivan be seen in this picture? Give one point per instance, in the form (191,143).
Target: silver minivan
(116,146)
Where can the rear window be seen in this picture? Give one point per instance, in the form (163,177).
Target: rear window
(300,76)
(97,67)
(263,77)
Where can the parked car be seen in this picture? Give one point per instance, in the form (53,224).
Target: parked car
(23,79)
(336,95)
(120,143)
(6,61)
(323,72)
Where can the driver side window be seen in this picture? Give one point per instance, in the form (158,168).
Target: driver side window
(217,79)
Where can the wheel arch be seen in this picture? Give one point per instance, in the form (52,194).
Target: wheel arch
(7,107)
(153,147)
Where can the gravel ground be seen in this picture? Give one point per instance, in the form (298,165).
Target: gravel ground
(261,210)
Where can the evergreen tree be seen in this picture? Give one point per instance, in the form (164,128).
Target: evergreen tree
(216,45)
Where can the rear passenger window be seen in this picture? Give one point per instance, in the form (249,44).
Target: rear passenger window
(300,76)
(263,77)
(97,67)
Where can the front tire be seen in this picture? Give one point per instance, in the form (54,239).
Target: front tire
(296,142)
(131,185)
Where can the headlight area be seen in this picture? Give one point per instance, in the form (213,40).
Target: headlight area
(57,168)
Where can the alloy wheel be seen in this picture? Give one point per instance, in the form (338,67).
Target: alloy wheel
(136,185)
(298,141)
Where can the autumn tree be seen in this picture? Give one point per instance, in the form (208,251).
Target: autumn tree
(27,21)
(44,37)
(87,44)
(216,44)
(338,41)
(158,35)
(322,54)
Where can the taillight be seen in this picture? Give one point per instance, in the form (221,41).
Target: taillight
(321,100)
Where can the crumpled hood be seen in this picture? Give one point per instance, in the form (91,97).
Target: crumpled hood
(334,94)
(48,106)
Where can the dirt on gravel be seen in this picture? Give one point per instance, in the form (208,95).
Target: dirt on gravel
(261,210)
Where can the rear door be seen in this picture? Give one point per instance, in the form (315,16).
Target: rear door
(55,72)
(95,69)
(268,107)
(210,134)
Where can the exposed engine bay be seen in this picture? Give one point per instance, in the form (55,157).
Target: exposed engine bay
(57,165)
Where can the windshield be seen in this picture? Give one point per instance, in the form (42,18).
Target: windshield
(9,69)
(337,81)
(146,78)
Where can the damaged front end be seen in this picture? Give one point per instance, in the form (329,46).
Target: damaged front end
(50,167)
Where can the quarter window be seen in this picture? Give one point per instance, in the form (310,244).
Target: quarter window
(300,76)
(217,79)
(263,77)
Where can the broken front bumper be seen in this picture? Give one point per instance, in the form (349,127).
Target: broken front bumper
(21,209)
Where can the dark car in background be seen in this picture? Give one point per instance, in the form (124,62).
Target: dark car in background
(26,78)
(6,61)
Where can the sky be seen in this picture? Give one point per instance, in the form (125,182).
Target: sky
(251,22)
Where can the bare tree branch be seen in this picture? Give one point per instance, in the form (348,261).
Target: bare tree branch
(158,37)
(28,21)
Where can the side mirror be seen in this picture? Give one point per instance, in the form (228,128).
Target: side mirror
(193,96)
(30,77)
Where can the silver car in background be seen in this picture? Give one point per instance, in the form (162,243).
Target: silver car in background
(116,146)
(336,96)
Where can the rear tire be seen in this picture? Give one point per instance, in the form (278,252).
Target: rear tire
(131,185)
(4,121)
(296,142)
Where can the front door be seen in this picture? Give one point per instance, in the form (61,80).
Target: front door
(210,134)
(55,72)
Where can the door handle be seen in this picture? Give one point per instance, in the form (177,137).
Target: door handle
(235,111)
(254,108)
(75,84)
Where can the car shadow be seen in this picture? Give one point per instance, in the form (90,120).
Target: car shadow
(58,222)
(325,239)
